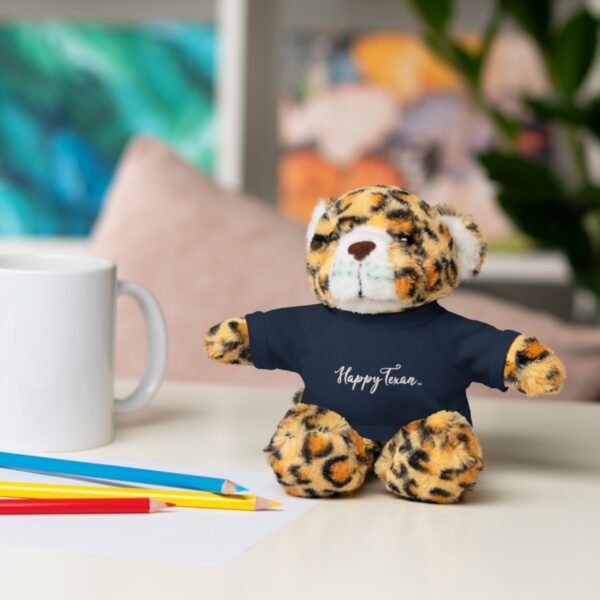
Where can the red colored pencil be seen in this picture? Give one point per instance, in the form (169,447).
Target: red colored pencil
(80,506)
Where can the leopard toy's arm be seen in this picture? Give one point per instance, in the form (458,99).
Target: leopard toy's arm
(532,368)
(228,342)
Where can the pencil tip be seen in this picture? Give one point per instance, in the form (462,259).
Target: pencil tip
(229,487)
(157,505)
(264,503)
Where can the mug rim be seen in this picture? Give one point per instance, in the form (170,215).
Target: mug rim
(53,263)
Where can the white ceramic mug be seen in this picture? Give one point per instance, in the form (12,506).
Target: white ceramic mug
(57,323)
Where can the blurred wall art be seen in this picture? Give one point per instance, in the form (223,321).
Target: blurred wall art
(73,94)
(359,109)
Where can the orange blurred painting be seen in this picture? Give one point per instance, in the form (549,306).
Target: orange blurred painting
(380,107)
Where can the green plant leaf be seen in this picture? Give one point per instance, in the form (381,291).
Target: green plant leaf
(591,118)
(537,202)
(572,50)
(565,110)
(522,177)
(587,198)
(435,13)
(469,62)
(509,124)
(556,108)
(491,30)
(436,44)
(591,224)
(533,15)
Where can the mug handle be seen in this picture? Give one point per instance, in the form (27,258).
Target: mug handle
(156,362)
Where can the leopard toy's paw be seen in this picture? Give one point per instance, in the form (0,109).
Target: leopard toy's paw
(532,368)
(315,453)
(436,459)
(228,342)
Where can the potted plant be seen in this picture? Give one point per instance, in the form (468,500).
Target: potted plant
(557,205)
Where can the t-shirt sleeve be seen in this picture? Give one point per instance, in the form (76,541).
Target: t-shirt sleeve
(477,350)
(278,338)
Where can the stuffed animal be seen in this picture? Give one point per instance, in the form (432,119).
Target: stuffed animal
(385,367)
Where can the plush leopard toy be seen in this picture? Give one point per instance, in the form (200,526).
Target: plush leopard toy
(385,367)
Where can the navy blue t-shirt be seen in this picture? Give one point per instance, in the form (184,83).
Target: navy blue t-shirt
(381,371)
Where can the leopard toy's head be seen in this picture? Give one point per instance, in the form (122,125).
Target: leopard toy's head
(381,249)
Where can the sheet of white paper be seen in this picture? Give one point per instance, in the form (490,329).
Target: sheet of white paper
(185,535)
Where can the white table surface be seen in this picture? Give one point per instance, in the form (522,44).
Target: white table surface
(531,528)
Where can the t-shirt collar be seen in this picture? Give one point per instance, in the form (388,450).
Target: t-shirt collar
(405,319)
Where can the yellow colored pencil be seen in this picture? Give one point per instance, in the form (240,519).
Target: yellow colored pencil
(182,498)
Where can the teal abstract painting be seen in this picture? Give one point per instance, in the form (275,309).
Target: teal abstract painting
(73,94)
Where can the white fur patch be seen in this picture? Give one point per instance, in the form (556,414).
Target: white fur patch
(468,246)
(365,286)
(318,212)
(368,306)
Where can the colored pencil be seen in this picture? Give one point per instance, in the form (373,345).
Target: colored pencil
(182,498)
(59,466)
(80,506)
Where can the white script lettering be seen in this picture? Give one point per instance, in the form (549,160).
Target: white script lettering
(387,375)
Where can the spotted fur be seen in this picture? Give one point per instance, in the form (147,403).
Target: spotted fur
(423,254)
(467,234)
(532,368)
(427,251)
(436,459)
(315,453)
(228,342)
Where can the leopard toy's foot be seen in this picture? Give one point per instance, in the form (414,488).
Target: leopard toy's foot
(315,453)
(436,459)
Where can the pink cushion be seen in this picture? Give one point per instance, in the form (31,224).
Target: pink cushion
(577,346)
(208,254)
(204,253)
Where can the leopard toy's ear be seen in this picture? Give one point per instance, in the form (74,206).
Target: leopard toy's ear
(468,241)
(319,210)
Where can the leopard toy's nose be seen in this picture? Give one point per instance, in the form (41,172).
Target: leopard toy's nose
(361,250)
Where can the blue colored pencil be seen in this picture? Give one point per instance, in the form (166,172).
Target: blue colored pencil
(59,466)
